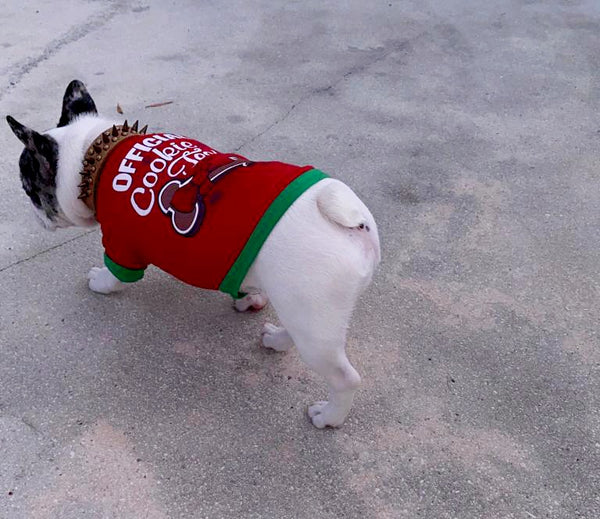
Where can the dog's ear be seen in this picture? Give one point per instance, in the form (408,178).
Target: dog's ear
(40,150)
(38,165)
(76,101)
(26,135)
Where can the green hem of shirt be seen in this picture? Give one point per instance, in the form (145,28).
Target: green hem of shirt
(234,278)
(123,273)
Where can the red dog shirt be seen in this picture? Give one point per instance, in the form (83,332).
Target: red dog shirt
(195,213)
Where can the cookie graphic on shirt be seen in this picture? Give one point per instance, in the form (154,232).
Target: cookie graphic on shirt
(184,200)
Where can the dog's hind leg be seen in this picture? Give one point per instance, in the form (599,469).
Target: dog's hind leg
(313,267)
(251,302)
(315,315)
(276,337)
(329,360)
(320,338)
(314,309)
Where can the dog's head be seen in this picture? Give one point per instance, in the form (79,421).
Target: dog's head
(38,163)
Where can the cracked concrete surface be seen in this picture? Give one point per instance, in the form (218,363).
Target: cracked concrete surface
(469,128)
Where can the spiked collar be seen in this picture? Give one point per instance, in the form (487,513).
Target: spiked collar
(94,157)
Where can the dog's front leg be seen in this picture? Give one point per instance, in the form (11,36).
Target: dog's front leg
(103,281)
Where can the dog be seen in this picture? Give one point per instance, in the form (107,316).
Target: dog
(312,259)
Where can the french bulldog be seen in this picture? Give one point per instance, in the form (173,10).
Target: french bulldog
(299,239)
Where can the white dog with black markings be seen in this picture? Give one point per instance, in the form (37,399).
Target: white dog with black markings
(311,250)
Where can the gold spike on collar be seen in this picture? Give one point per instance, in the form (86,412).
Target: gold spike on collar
(93,160)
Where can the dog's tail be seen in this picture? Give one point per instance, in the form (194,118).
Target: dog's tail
(339,204)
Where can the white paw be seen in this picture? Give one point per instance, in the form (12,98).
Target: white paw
(323,414)
(276,338)
(250,302)
(102,281)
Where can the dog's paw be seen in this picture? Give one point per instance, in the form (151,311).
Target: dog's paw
(102,281)
(250,302)
(276,338)
(323,414)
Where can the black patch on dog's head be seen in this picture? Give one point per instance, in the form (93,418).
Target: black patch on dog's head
(76,101)
(38,164)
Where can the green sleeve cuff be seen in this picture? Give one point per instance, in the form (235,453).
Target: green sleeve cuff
(123,273)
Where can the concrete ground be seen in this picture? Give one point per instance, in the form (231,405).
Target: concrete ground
(470,129)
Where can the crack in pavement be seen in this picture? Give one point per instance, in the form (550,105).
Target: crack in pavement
(18,71)
(356,69)
(57,246)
